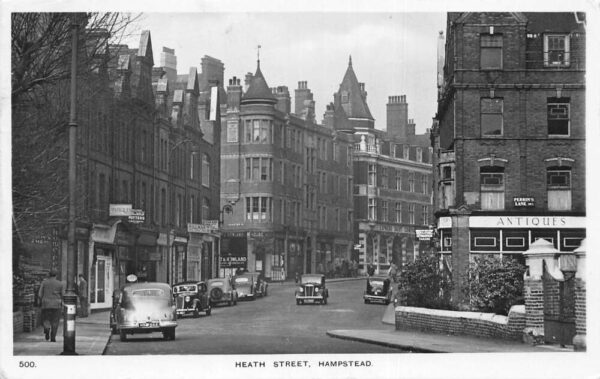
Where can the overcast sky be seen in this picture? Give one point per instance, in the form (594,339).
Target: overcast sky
(392,53)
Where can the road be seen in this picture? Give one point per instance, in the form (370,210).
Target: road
(269,325)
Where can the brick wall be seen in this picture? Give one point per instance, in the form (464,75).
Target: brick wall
(580,307)
(470,323)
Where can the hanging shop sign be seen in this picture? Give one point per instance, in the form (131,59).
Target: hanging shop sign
(119,210)
(137,216)
(424,234)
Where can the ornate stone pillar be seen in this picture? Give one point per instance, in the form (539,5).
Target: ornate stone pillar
(579,343)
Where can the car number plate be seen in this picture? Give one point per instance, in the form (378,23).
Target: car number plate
(148,324)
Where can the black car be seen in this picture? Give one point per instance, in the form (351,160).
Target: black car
(379,289)
(312,288)
(191,297)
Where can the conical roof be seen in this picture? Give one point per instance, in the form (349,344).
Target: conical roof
(258,91)
(356,107)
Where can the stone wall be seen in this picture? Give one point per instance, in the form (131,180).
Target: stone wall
(470,323)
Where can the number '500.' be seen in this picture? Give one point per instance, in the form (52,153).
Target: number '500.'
(27,364)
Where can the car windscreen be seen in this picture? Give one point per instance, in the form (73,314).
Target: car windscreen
(143,296)
(188,288)
(311,279)
(148,292)
(242,280)
(376,283)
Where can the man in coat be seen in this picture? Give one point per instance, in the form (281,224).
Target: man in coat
(51,294)
(82,292)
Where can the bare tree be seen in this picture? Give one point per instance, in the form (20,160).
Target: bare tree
(40,64)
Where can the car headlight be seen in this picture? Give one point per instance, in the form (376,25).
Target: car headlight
(187,298)
(301,289)
(317,289)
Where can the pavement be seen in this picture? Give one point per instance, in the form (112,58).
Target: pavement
(93,335)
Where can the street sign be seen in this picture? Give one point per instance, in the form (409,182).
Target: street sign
(524,202)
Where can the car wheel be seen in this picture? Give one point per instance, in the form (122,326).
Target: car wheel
(122,335)
(265,292)
(298,302)
(169,334)
(325,300)
(366,301)
(208,311)
(196,312)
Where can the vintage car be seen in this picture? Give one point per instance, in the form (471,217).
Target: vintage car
(221,290)
(379,289)
(260,284)
(144,308)
(250,285)
(312,288)
(191,297)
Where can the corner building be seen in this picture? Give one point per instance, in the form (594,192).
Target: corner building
(392,177)
(509,144)
(285,184)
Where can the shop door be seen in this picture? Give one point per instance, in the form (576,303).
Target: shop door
(101,283)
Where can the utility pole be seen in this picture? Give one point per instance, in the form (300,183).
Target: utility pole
(70,297)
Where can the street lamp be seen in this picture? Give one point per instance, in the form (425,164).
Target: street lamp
(70,297)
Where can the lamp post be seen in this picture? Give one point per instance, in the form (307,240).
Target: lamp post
(70,297)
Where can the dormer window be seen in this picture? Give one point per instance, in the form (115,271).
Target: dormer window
(556,50)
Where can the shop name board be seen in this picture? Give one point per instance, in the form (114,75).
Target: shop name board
(524,201)
(564,222)
(231,262)
(119,210)
(207,226)
(424,234)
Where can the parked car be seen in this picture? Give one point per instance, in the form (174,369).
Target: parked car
(379,289)
(144,308)
(260,284)
(222,290)
(245,285)
(312,288)
(191,297)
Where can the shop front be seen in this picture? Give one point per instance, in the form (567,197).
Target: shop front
(233,253)
(260,252)
(102,278)
(148,257)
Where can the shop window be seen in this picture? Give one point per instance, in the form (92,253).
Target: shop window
(558,116)
(485,240)
(556,50)
(492,187)
(490,51)
(447,242)
(492,118)
(559,188)
(515,242)
(572,242)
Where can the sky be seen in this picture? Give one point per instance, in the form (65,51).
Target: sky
(393,53)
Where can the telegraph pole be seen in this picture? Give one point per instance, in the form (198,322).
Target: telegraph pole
(70,298)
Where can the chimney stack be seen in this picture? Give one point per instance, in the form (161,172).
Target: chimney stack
(168,60)
(301,95)
(284,102)
(234,94)
(397,117)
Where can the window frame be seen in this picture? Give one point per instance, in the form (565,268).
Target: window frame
(489,115)
(489,43)
(566,61)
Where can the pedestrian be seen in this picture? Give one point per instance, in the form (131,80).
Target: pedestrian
(51,294)
(393,271)
(82,292)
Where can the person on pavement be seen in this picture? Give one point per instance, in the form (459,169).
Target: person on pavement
(82,292)
(51,294)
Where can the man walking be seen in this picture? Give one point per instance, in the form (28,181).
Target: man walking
(82,291)
(51,294)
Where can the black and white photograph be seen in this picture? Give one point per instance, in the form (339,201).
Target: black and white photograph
(306,190)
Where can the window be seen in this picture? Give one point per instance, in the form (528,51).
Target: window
(491,116)
(258,208)
(492,187)
(411,213)
(372,175)
(424,184)
(372,209)
(258,131)
(384,210)
(411,182)
(556,50)
(384,177)
(419,154)
(205,170)
(398,212)
(406,152)
(348,156)
(446,173)
(399,180)
(558,116)
(191,209)
(163,206)
(491,51)
(485,240)
(425,215)
(345,97)
(559,188)
(334,150)
(282,172)
(232,131)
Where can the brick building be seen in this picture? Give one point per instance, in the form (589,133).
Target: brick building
(509,139)
(145,172)
(392,176)
(285,183)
